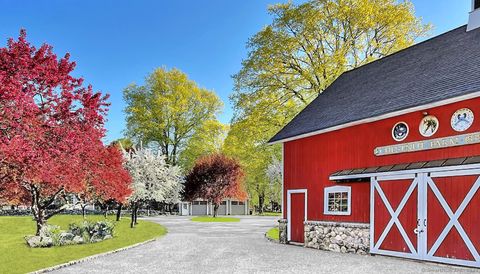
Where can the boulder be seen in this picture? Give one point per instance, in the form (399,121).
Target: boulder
(33,241)
(39,241)
(78,240)
(66,236)
(96,238)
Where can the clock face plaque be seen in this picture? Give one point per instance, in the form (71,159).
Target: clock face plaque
(400,131)
(462,119)
(428,126)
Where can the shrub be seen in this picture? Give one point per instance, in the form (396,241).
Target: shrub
(78,233)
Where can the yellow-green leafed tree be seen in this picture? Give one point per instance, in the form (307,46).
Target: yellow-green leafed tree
(169,109)
(296,57)
(208,139)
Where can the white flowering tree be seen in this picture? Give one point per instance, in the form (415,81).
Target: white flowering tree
(274,175)
(152,178)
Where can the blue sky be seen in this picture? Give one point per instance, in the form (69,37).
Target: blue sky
(119,42)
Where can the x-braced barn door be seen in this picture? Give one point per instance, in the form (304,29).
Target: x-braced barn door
(453,214)
(394,216)
(424,216)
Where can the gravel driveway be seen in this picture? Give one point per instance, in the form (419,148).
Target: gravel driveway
(192,247)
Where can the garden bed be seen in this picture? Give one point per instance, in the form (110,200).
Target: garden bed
(17,257)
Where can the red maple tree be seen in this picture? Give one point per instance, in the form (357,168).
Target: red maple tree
(50,132)
(214,178)
(105,178)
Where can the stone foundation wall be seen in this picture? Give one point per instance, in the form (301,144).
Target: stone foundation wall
(338,237)
(282,231)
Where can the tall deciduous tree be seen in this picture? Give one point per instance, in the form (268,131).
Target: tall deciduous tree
(169,109)
(297,56)
(214,178)
(208,139)
(50,129)
(153,178)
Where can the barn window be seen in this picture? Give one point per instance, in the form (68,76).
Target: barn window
(234,203)
(477,4)
(337,200)
(241,203)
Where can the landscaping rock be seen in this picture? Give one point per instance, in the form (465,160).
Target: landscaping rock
(67,236)
(107,237)
(96,239)
(39,241)
(78,240)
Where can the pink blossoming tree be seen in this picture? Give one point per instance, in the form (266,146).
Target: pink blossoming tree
(50,133)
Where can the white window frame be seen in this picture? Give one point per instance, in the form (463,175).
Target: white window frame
(335,189)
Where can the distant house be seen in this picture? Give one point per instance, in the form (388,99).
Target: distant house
(203,207)
(387,159)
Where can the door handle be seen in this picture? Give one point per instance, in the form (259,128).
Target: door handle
(417,231)
(425,222)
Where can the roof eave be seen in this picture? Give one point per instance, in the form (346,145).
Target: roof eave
(473,94)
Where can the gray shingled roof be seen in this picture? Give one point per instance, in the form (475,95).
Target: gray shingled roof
(440,68)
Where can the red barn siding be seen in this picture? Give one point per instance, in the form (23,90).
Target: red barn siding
(308,162)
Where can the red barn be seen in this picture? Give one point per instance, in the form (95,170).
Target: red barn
(387,159)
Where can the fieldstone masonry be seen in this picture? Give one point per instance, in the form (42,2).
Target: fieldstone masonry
(282,231)
(338,237)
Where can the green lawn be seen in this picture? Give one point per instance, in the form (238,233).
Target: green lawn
(207,219)
(271,214)
(17,257)
(273,233)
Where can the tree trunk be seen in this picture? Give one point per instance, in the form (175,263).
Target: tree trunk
(39,207)
(215,210)
(37,210)
(119,212)
(135,215)
(105,212)
(132,223)
(261,200)
(83,210)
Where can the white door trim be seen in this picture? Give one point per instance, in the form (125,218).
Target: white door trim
(289,211)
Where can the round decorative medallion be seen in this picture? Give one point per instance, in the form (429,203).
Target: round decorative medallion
(428,126)
(462,119)
(400,131)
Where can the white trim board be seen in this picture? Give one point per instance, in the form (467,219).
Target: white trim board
(405,172)
(382,117)
(289,211)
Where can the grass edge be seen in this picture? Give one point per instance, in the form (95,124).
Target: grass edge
(91,257)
